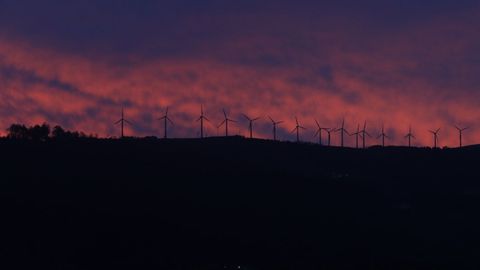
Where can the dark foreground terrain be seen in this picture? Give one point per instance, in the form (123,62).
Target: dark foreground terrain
(234,203)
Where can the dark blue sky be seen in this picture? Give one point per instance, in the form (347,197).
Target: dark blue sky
(166,27)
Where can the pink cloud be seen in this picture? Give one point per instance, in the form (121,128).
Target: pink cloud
(388,80)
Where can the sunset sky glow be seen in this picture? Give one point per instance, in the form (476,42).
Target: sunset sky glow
(401,63)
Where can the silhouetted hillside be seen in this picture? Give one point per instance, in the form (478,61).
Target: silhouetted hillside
(220,203)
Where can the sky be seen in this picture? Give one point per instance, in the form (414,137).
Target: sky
(391,63)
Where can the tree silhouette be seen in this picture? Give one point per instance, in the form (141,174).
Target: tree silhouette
(59,133)
(39,132)
(43,133)
(18,132)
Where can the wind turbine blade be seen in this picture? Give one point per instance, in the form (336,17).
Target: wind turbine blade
(221,124)
(271,119)
(198,119)
(316,122)
(368,134)
(255,119)
(294,130)
(128,122)
(118,122)
(437,130)
(169,120)
(316,133)
(224,113)
(208,120)
(279,122)
(301,127)
(248,118)
(296,120)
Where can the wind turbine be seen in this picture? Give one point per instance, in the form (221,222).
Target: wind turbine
(364,133)
(383,136)
(358,133)
(165,119)
(329,131)
(410,136)
(122,122)
(275,128)
(319,132)
(225,121)
(201,119)
(250,124)
(342,132)
(297,129)
(435,137)
(460,133)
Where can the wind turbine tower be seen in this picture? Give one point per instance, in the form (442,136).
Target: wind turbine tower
(225,121)
(319,132)
(329,133)
(165,119)
(383,136)
(122,123)
(297,129)
(410,136)
(275,127)
(460,133)
(364,134)
(435,137)
(201,119)
(358,133)
(343,131)
(250,124)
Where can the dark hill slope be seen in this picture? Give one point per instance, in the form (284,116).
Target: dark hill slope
(228,202)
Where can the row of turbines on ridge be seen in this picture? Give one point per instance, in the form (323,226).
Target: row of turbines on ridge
(360,134)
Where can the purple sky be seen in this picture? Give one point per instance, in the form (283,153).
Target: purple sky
(76,63)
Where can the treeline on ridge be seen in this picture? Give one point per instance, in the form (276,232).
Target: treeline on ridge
(43,133)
